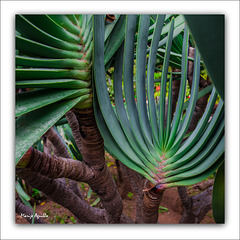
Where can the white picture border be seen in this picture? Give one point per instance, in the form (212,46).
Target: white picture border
(229,230)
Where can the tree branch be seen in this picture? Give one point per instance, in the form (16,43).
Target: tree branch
(73,123)
(123,180)
(94,156)
(137,184)
(61,194)
(47,146)
(60,150)
(195,207)
(56,167)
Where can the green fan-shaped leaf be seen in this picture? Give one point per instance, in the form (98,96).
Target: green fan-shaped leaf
(54,83)
(101,87)
(29,30)
(115,39)
(51,63)
(199,177)
(45,23)
(146,138)
(150,75)
(49,73)
(32,100)
(31,126)
(34,48)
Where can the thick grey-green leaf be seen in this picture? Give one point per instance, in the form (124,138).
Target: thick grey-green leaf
(32,100)
(53,83)
(31,126)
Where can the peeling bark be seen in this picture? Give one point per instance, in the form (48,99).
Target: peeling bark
(126,220)
(92,170)
(73,185)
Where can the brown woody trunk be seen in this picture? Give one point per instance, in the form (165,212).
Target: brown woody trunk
(151,201)
(73,123)
(60,150)
(57,167)
(195,207)
(137,184)
(94,156)
(47,146)
(123,180)
(60,193)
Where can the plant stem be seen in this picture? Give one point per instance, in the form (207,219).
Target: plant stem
(151,202)
(58,167)
(195,207)
(94,156)
(58,191)
(60,150)
(73,123)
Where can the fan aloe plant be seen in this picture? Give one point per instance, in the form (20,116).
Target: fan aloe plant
(61,60)
(50,60)
(140,137)
(142,134)
(54,57)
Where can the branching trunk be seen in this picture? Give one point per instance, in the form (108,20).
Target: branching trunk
(47,146)
(92,170)
(58,167)
(137,184)
(73,185)
(195,207)
(58,191)
(73,123)
(151,201)
(94,156)
(123,179)
(26,212)
(60,150)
